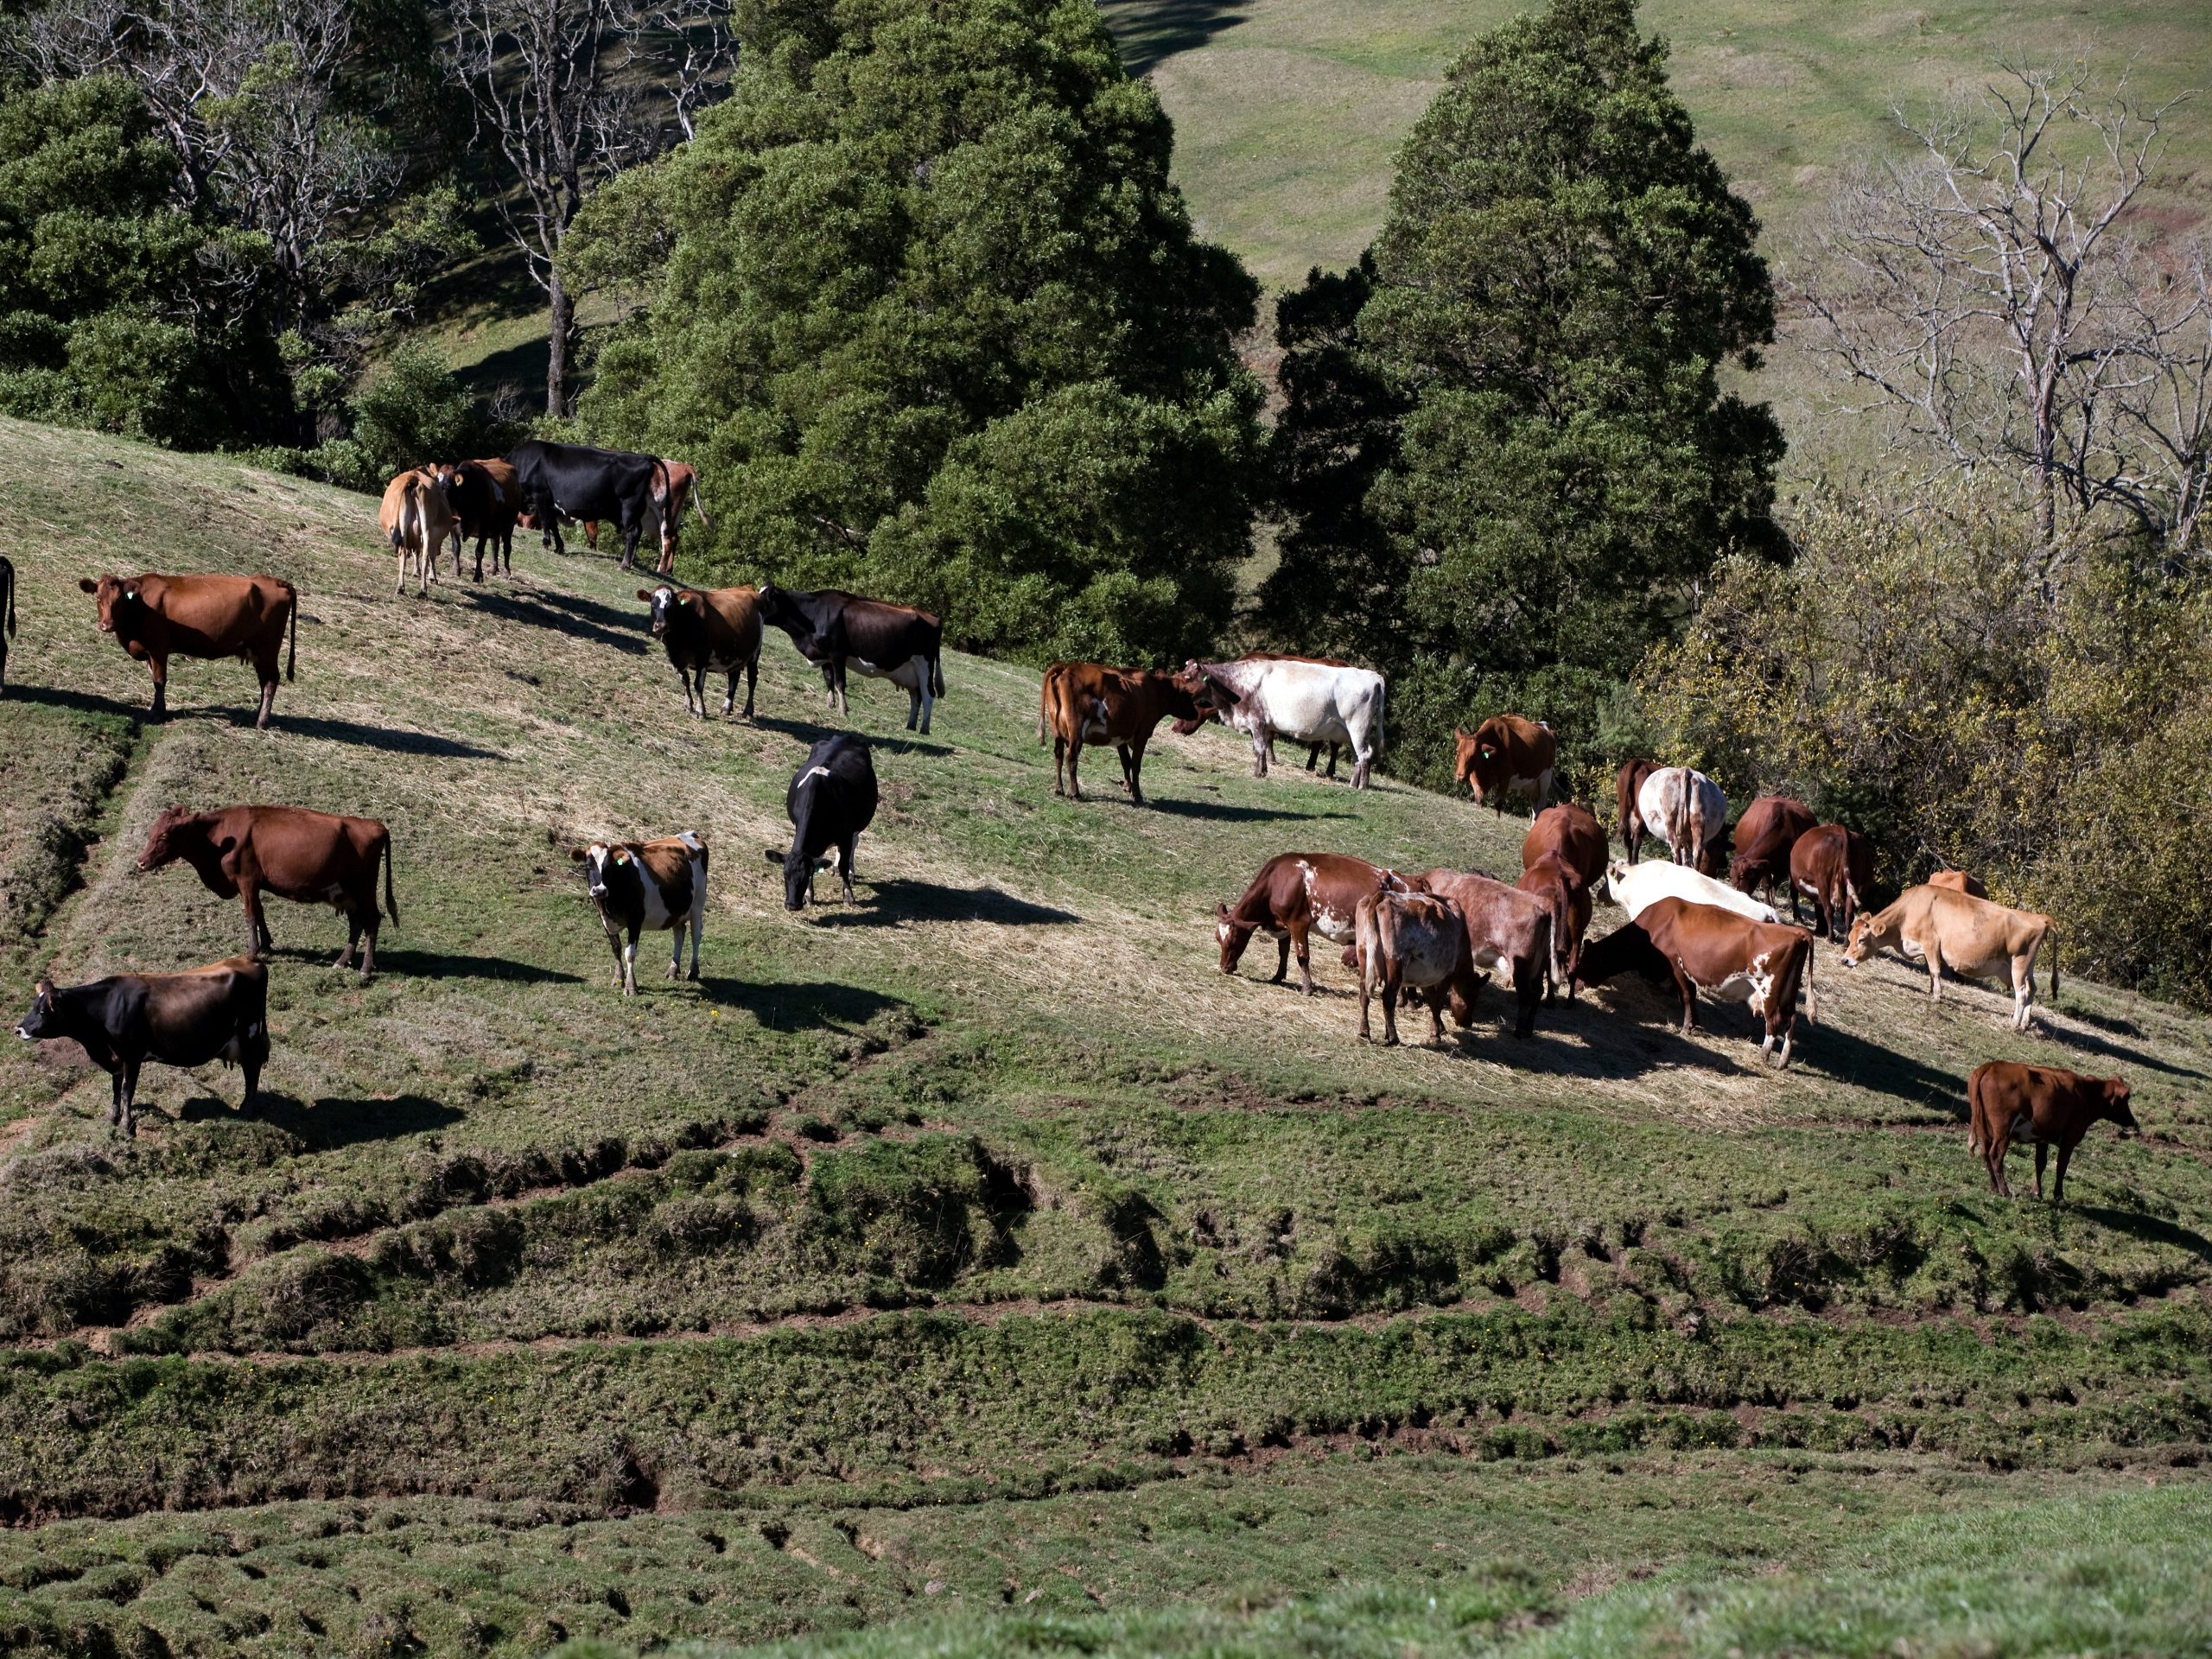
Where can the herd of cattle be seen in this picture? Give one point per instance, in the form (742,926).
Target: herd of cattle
(1430,938)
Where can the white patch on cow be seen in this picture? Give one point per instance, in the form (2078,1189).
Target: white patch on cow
(1220,931)
(813,773)
(1487,957)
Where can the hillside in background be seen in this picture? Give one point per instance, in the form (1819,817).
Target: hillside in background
(979,1249)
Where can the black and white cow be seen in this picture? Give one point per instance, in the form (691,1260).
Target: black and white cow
(833,629)
(644,887)
(573,480)
(832,799)
(217,1013)
(717,629)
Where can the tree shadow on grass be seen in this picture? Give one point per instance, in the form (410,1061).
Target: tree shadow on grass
(899,901)
(1149,31)
(333,1122)
(787,1007)
(391,739)
(810,732)
(602,625)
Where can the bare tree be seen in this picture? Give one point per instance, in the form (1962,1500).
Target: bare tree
(695,48)
(1987,289)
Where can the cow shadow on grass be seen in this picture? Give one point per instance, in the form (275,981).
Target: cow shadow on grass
(899,901)
(332,1122)
(788,1006)
(603,625)
(2092,1042)
(389,739)
(441,965)
(2151,1229)
(811,732)
(1221,812)
(1833,1051)
(84,702)
(1624,1036)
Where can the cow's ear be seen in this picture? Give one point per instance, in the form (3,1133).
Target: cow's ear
(645,593)
(697,602)
(577,854)
(88,585)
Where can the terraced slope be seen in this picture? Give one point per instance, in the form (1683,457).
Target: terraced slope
(980,1236)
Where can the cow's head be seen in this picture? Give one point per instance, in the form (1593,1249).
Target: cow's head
(166,842)
(1479,763)
(1211,697)
(604,863)
(1232,935)
(1866,938)
(40,1021)
(2115,1107)
(666,601)
(117,598)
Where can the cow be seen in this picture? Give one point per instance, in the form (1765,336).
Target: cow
(2046,1104)
(1627,948)
(1294,896)
(1974,938)
(1506,927)
(1507,754)
(647,886)
(832,799)
(1737,960)
(1089,702)
(156,617)
(1636,887)
(1834,868)
(1764,837)
(217,1013)
(1310,701)
(834,630)
(1412,942)
(1686,810)
(8,618)
(417,519)
(1628,789)
(317,858)
(1562,862)
(1959,881)
(573,480)
(716,629)
(683,490)
(486,500)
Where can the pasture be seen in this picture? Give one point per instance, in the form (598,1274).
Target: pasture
(978,1251)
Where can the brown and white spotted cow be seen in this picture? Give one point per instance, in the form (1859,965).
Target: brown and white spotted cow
(645,887)
(1507,928)
(1737,960)
(1417,943)
(1297,894)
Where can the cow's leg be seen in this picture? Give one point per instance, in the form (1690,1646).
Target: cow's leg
(1393,982)
(1262,746)
(729,695)
(843,713)
(630,964)
(1059,765)
(614,944)
(1313,756)
(161,668)
(1133,759)
(2058,1176)
(2042,1150)
(2023,990)
(1302,940)
(675,946)
(1282,958)
(1121,753)
(846,849)
(699,688)
(1993,1156)
(371,920)
(257,942)
(131,1098)
(751,681)
(1689,988)
(1935,971)
(115,1096)
(1436,1016)
(1365,987)
(1075,753)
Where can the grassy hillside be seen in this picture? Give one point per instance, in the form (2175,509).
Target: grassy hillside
(978,1249)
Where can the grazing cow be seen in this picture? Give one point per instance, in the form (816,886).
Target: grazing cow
(1562,861)
(1959,881)
(417,519)
(1507,754)
(572,480)
(1972,936)
(647,886)
(716,629)
(1089,702)
(2046,1104)
(217,1013)
(1412,942)
(486,498)
(1308,701)
(1636,887)
(1764,838)
(1737,960)
(1628,948)
(1506,927)
(317,858)
(683,490)
(834,630)
(832,799)
(1686,810)
(156,618)
(1834,868)
(1628,788)
(7,618)
(1293,896)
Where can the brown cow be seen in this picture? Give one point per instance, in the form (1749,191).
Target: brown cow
(2046,1104)
(1507,754)
(317,858)
(1090,703)
(1297,894)
(417,519)
(1506,927)
(1959,881)
(1972,936)
(1628,786)
(156,617)
(1562,861)
(717,629)
(1764,838)
(487,498)
(1738,960)
(1834,868)
(1413,942)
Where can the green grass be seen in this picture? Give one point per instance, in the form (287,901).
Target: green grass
(984,1217)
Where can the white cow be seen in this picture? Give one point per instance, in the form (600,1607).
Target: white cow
(1268,697)
(1636,887)
(1686,810)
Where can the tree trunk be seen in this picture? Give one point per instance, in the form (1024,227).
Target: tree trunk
(558,320)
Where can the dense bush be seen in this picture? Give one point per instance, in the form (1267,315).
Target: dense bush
(928,311)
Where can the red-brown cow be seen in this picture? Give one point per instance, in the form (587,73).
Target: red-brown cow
(1738,960)
(1506,928)
(1834,868)
(1959,881)
(316,858)
(2046,1104)
(156,617)
(1417,943)
(1628,787)
(1090,703)
(1296,895)
(1562,860)
(1764,837)
(1507,754)
(486,496)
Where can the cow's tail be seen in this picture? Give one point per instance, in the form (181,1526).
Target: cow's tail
(1975,1142)
(1382,694)
(292,654)
(2051,933)
(1561,902)
(8,584)
(1812,997)
(391,904)
(937,672)
(699,501)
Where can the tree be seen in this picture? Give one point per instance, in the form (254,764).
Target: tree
(1562,275)
(926,308)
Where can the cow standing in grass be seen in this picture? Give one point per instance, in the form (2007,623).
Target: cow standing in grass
(156,617)
(1090,703)
(1507,754)
(1974,938)
(1506,928)
(1306,699)
(578,482)
(1562,861)
(1737,960)
(1686,810)
(1834,868)
(2046,1104)
(716,630)
(1415,943)
(645,886)
(1764,838)
(486,498)
(832,799)
(834,630)
(417,519)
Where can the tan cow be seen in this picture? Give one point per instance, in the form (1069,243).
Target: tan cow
(1974,938)
(417,520)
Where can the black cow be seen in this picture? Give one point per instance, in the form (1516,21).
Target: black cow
(1627,949)
(7,610)
(485,498)
(572,480)
(832,628)
(832,799)
(215,1012)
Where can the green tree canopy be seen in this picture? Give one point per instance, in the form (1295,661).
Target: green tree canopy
(931,319)
(1562,274)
